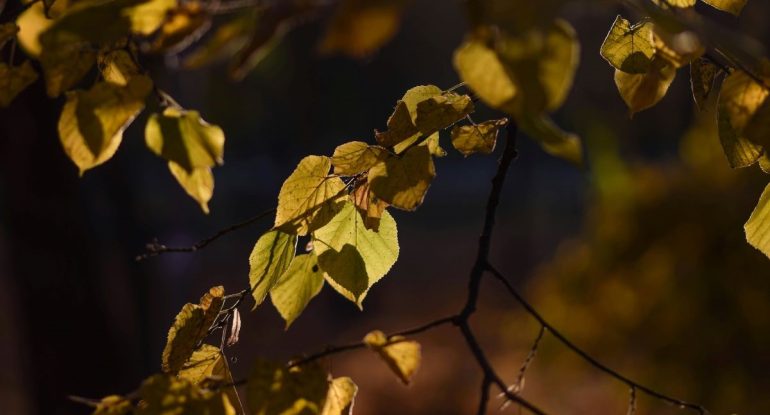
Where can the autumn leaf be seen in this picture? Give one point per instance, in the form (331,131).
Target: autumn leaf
(480,68)
(702,76)
(356,157)
(113,405)
(730,6)
(183,137)
(360,27)
(13,80)
(271,256)
(402,181)
(477,138)
(401,124)
(757,228)
(353,257)
(206,362)
(198,183)
(441,111)
(7,32)
(117,67)
(552,139)
(166,395)
(369,205)
(65,65)
(339,399)
(628,47)
(739,99)
(402,356)
(274,389)
(148,16)
(181,25)
(642,91)
(677,48)
(298,285)
(226,40)
(32,23)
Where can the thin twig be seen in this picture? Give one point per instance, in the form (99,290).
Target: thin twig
(518,385)
(486,383)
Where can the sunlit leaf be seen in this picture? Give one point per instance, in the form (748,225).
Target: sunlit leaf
(340,398)
(117,67)
(301,282)
(13,80)
(552,139)
(730,6)
(167,395)
(113,405)
(401,124)
(628,47)
(369,206)
(702,75)
(402,181)
(274,389)
(92,122)
(309,197)
(148,16)
(676,3)
(739,98)
(183,137)
(181,26)
(758,128)
(402,356)
(758,226)
(190,327)
(198,183)
(352,256)
(480,68)
(270,257)
(477,138)
(32,22)
(434,145)
(360,27)
(206,362)
(356,157)
(441,111)
(642,91)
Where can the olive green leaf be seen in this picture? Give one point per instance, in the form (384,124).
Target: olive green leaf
(65,65)
(92,122)
(113,405)
(352,256)
(642,91)
(166,395)
(702,76)
(339,399)
(441,111)
(206,362)
(270,257)
(190,327)
(356,157)
(198,183)
(481,69)
(309,197)
(477,138)
(402,356)
(183,137)
(628,47)
(739,99)
(298,285)
(402,181)
(360,27)
(147,16)
(730,6)
(274,389)
(117,67)
(13,80)
(758,226)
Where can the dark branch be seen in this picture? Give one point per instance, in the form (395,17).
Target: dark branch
(486,383)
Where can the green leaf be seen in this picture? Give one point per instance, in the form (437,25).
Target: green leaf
(402,181)
(739,98)
(298,285)
(360,27)
(552,139)
(441,111)
(402,356)
(309,197)
(190,327)
(702,76)
(628,47)
(477,138)
(758,226)
(340,398)
(198,183)
(183,137)
(206,362)
(730,6)
(352,256)
(274,389)
(13,80)
(167,395)
(92,122)
(642,91)
(270,257)
(356,157)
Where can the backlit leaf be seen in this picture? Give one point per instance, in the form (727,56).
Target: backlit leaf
(360,27)
(113,405)
(148,16)
(167,395)
(402,181)
(181,26)
(628,47)
(676,3)
(274,389)
(552,139)
(401,124)
(642,91)
(480,68)
(739,98)
(301,282)
(355,157)
(441,111)
(13,80)
(477,138)
(309,197)
(339,400)
(92,122)
(758,226)
(32,22)
(270,257)
(190,327)
(678,49)
(352,256)
(730,6)
(402,356)
(369,206)
(702,75)
(65,65)
(206,362)
(117,67)
(758,129)
(198,183)
(183,137)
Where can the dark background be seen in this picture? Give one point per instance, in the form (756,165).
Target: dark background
(78,316)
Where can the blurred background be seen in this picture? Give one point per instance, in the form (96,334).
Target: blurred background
(640,258)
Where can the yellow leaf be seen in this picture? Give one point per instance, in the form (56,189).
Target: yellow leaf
(679,49)
(190,327)
(401,124)
(226,40)
(369,206)
(183,137)
(642,91)
(274,389)
(352,256)
(441,111)
(117,67)
(206,362)
(402,356)
(148,16)
(92,122)
(402,181)
(764,163)
(480,68)
(113,405)
(758,128)
(730,6)
(340,398)
(65,65)
(702,75)
(356,157)
(434,146)
(301,282)
(13,80)
(758,226)
(182,24)
(477,138)
(309,197)
(675,3)
(198,183)
(628,47)
(32,22)
(166,395)
(269,259)
(360,27)
(739,98)
(552,139)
